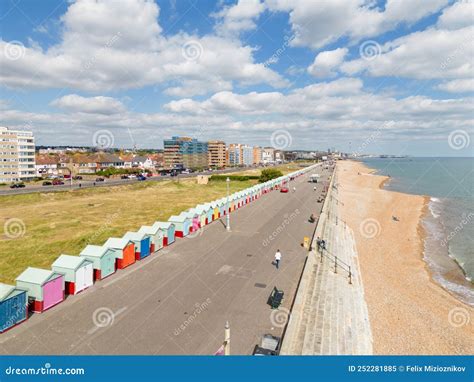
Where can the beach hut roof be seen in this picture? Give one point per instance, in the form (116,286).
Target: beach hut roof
(188,214)
(200,208)
(179,219)
(149,229)
(94,251)
(115,242)
(6,290)
(36,275)
(162,225)
(69,262)
(134,235)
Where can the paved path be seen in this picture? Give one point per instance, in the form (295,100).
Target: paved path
(177,300)
(330,315)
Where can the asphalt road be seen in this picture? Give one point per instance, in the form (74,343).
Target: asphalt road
(177,300)
(108,182)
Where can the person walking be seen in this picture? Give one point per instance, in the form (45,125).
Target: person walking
(277,258)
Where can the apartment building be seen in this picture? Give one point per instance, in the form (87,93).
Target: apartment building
(234,154)
(17,155)
(216,154)
(185,152)
(247,155)
(268,155)
(257,155)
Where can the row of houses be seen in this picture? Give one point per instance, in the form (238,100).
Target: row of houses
(37,290)
(91,163)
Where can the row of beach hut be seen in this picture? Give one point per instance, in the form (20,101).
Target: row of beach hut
(38,289)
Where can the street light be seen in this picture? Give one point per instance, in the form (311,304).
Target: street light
(227,181)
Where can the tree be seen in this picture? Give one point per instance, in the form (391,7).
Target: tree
(269,173)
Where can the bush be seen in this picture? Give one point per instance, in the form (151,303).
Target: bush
(238,178)
(269,174)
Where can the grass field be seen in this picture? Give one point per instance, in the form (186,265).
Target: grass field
(65,222)
(50,224)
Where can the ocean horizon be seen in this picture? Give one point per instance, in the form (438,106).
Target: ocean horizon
(449,225)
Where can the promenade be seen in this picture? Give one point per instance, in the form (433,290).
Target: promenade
(177,300)
(330,316)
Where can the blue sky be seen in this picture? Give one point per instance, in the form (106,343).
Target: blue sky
(360,76)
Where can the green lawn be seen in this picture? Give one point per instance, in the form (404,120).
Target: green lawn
(65,222)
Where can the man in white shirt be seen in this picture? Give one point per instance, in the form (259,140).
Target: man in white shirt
(277,258)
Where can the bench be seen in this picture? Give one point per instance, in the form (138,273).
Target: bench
(275,298)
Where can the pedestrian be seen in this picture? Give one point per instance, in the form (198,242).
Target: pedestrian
(277,258)
(323,244)
(80,185)
(294,189)
(318,243)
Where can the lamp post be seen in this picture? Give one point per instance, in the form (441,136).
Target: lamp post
(227,205)
(227,338)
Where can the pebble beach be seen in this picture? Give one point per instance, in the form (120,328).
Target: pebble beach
(409,312)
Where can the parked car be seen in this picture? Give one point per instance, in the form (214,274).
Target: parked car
(47,183)
(132,176)
(174,173)
(284,189)
(77,177)
(17,185)
(141,177)
(57,182)
(100,180)
(67,176)
(124,177)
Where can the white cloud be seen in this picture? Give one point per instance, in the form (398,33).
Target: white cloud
(458,86)
(429,54)
(325,63)
(457,16)
(326,22)
(109,45)
(239,17)
(93,105)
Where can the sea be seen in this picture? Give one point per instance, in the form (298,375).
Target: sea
(449,225)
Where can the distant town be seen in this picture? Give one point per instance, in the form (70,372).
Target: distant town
(21,160)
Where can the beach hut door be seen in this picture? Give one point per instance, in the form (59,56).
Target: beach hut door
(52,292)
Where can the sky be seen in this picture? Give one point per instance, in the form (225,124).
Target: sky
(360,76)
